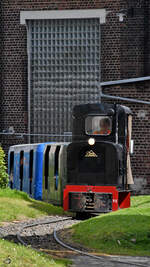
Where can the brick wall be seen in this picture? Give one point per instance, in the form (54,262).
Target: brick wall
(124,54)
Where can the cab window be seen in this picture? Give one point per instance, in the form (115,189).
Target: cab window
(98,125)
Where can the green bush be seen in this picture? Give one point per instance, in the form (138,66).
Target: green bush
(3,173)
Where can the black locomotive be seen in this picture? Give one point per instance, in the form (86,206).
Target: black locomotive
(98,160)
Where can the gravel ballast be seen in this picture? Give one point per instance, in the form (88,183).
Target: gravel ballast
(40,236)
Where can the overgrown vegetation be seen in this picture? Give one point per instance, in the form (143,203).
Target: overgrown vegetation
(3,173)
(125,232)
(16,205)
(14,255)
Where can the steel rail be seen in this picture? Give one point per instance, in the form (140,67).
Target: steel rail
(36,224)
(103,258)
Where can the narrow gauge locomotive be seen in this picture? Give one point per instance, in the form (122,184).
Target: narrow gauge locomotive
(91,174)
(98,159)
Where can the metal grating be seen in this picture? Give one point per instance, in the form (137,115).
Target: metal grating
(64,70)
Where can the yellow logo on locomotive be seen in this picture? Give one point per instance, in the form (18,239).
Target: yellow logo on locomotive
(90,154)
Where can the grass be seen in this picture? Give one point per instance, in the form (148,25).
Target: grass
(124,232)
(14,255)
(16,205)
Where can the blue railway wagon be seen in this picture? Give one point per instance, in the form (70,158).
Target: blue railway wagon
(39,170)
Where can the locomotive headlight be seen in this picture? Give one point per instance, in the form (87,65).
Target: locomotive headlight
(91,141)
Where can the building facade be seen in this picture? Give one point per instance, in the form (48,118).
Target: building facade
(55,54)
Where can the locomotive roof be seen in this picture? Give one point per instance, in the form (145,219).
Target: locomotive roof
(99,108)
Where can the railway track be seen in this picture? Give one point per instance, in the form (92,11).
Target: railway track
(43,235)
(54,225)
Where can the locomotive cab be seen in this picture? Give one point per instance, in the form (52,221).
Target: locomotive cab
(98,161)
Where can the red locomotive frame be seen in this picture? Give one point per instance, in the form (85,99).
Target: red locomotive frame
(120,199)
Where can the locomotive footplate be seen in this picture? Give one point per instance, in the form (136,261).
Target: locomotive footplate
(90,202)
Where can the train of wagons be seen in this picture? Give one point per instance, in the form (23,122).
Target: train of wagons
(91,174)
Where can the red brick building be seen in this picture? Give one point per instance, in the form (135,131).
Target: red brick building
(54,54)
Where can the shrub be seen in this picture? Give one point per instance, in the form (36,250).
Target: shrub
(3,173)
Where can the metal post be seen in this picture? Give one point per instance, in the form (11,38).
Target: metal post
(29,84)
